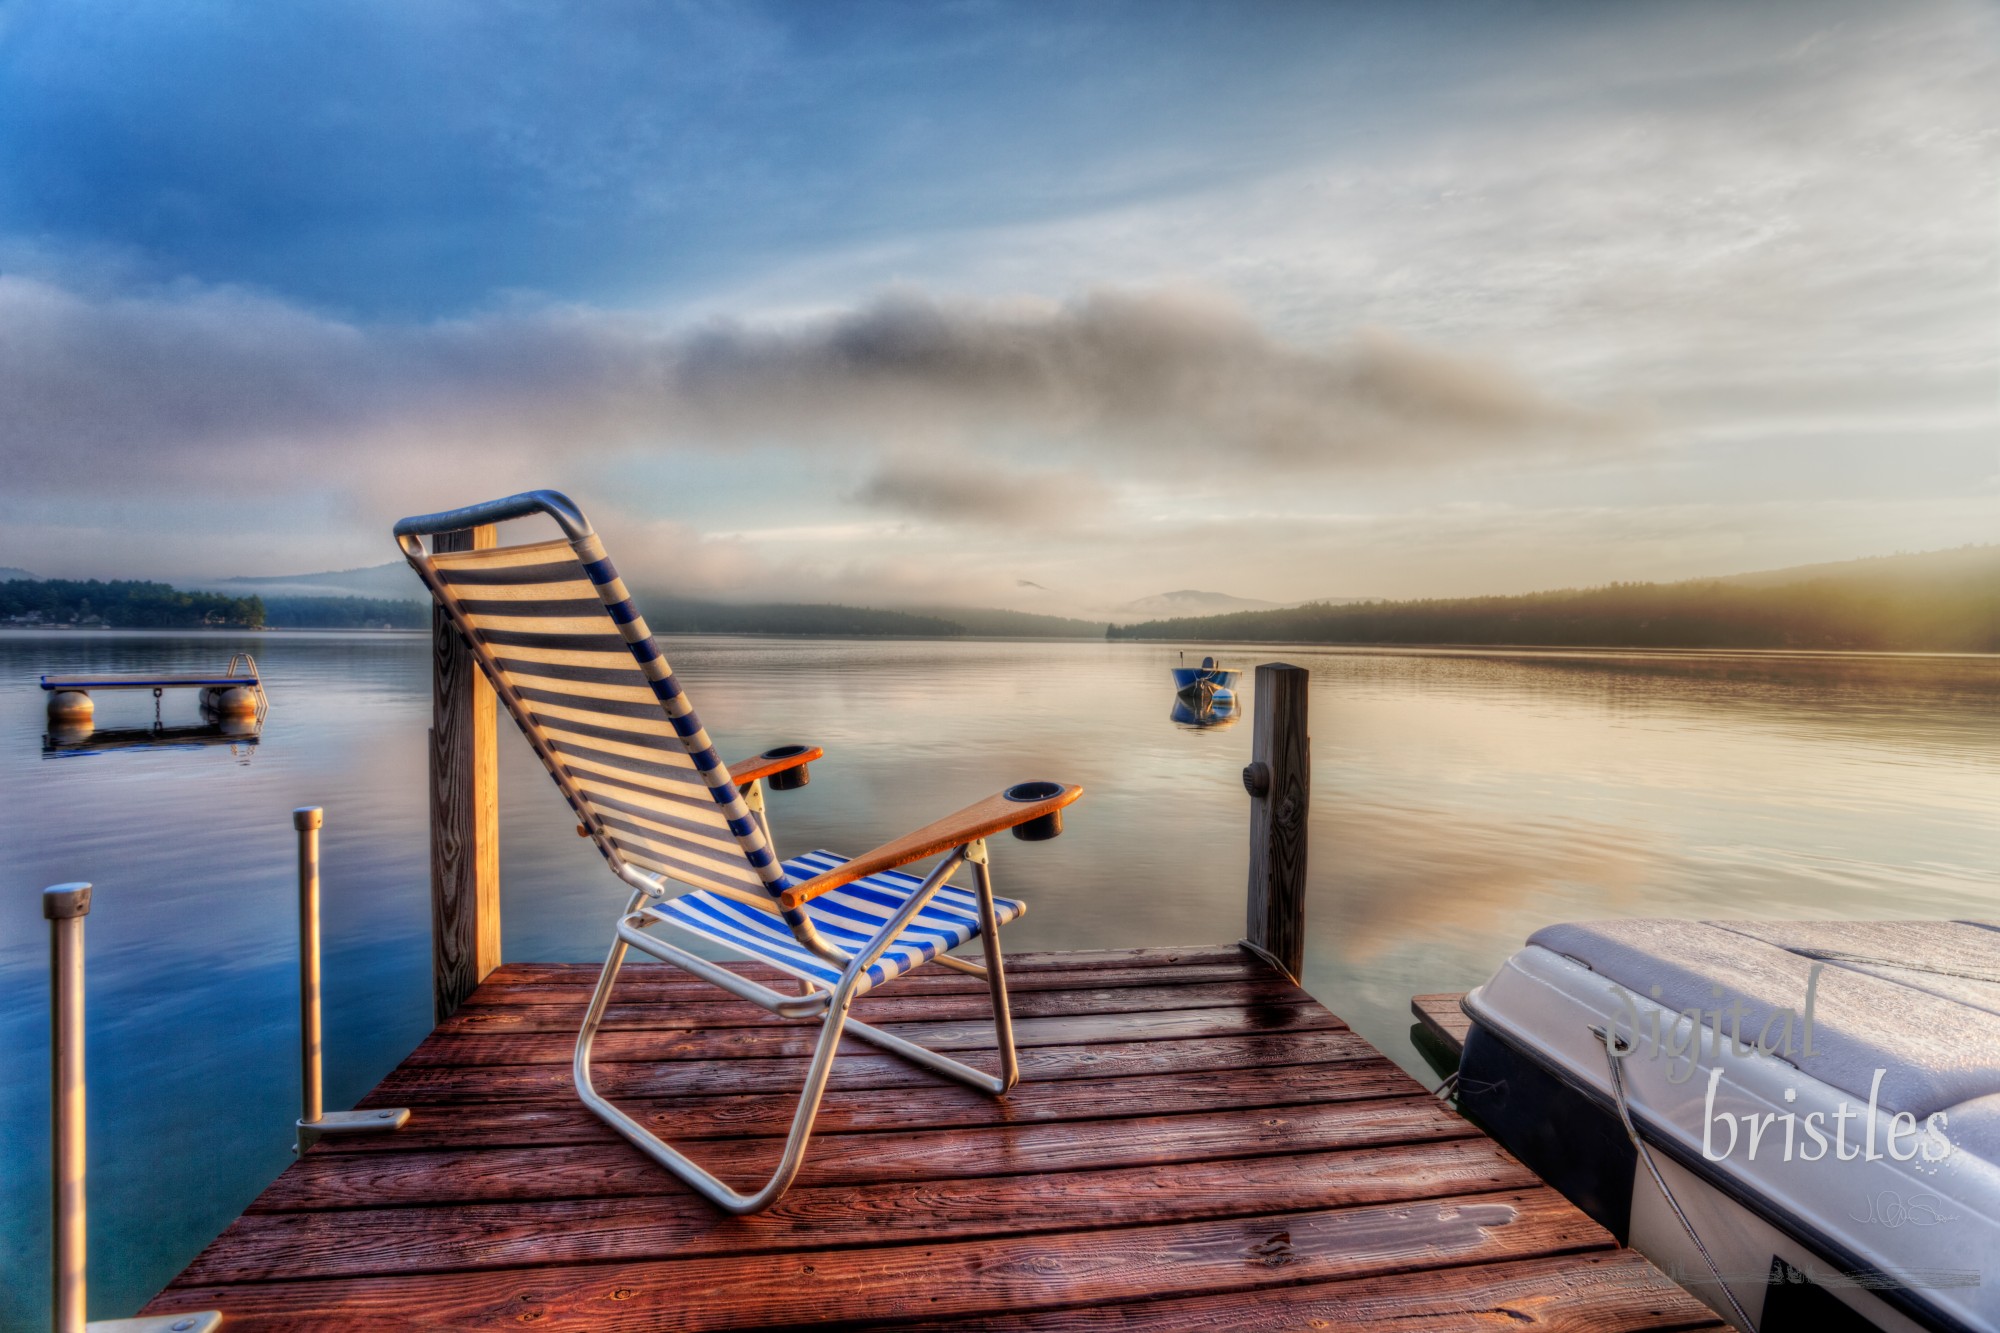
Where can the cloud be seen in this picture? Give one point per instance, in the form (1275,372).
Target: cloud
(230,390)
(1172,375)
(973,490)
(1768,230)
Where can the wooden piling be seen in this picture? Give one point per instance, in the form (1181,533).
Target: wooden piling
(465,807)
(1279,780)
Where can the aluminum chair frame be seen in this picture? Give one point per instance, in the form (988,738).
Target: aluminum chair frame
(828,1004)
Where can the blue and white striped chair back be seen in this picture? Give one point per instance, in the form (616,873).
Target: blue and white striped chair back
(554,628)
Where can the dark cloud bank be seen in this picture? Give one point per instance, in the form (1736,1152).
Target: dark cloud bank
(220,388)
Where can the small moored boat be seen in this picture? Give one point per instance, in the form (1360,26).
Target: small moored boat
(1206,680)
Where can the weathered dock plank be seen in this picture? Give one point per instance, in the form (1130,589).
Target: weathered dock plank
(356,1242)
(1063,964)
(545,1013)
(756,1040)
(1442,1017)
(1195,1145)
(863,1069)
(955,1279)
(850,1111)
(1612,1292)
(584,1170)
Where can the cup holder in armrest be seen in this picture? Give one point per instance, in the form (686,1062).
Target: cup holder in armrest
(1042,827)
(790,779)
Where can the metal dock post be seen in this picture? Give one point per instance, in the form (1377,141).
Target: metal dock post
(65,906)
(315,1122)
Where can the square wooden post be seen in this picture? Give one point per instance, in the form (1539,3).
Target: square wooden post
(1279,780)
(465,807)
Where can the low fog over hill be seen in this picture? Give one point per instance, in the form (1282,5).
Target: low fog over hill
(1939,601)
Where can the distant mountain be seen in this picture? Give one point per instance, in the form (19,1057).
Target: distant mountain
(394,581)
(9,574)
(391,595)
(1192,602)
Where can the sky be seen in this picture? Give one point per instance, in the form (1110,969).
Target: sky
(1032,305)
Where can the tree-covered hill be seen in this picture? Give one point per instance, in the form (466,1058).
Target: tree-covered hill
(994,623)
(1947,601)
(344,613)
(123,604)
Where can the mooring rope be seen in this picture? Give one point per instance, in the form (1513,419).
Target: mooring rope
(1615,1050)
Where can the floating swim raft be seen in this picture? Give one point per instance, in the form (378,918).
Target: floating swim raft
(237,692)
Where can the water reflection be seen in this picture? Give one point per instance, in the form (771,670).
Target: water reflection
(239,734)
(1199,711)
(1461,799)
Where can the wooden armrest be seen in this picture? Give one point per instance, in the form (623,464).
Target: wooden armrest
(782,759)
(990,816)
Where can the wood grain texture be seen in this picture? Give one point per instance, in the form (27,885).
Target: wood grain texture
(465,807)
(761,766)
(363,1241)
(733,1115)
(1442,1017)
(952,1279)
(1276,919)
(1610,1292)
(639,985)
(995,814)
(1221,1156)
(408,1086)
(647,980)
(1062,962)
(388,1180)
(672,1041)
(694,1009)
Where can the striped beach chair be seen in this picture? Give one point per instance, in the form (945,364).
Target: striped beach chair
(554,629)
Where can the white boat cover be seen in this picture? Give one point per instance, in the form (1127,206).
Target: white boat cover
(1917,999)
(1905,1026)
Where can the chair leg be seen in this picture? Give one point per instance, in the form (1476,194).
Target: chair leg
(996,979)
(642,1138)
(835,1022)
(1003,1019)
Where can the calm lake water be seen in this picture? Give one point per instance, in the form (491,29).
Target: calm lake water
(1460,801)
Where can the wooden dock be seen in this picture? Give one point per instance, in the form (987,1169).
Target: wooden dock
(1195,1144)
(1442,1017)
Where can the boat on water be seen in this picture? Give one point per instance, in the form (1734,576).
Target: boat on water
(1208,680)
(1800,1121)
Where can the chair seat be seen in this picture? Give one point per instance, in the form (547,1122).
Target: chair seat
(847,917)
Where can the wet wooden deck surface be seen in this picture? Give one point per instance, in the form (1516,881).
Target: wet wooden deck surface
(1195,1145)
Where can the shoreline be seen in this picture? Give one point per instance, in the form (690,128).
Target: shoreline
(1267,645)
